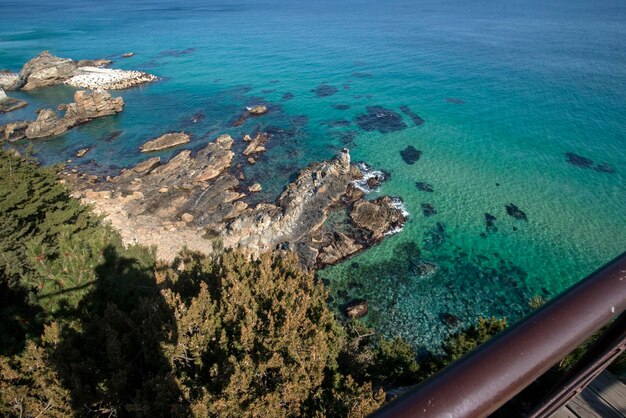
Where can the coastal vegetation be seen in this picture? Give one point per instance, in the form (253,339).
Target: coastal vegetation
(93,327)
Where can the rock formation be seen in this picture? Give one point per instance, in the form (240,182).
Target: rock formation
(199,197)
(48,70)
(86,106)
(165,141)
(8,104)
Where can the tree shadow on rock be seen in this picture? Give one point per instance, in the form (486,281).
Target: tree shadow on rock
(110,358)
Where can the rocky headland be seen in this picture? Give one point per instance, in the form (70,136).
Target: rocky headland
(47,70)
(198,202)
(86,107)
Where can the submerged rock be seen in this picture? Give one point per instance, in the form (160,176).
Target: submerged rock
(165,141)
(82,152)
(424,268)
(516,212)
(454,100)
(287,96)
(410,155)
(578,160)
(341,106)
(490,225)
(424,187)
(414,117)
(324,90)
(584,162)
(449,319)
(356,309)
(428,209)
(380,119)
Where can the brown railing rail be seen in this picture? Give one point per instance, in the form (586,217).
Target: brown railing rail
(482,381)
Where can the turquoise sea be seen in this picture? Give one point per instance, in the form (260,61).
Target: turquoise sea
(505,89)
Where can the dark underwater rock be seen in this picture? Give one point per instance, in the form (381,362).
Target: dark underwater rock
(578,160)
(362,75)
(424,187)
(288,96)
(410,155)
(337,123)
(436,236)
(454,101)
(341,106)
(197,117)
(300,120)
(584,162)
(424,268)
(490,226)
(112,136)
(417,120)
(380,119)
(428,209)
(604,168)
(356,309)
(516,212)
(177,52)
(324,90)
(449,319)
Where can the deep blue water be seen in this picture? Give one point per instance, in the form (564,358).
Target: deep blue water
(505,88)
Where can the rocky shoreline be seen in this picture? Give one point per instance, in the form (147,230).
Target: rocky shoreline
(197,202)
(86,107)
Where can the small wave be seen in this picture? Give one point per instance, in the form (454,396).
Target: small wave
(397,203)
(368,173)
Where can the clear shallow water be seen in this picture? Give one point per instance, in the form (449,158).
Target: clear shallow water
(536,80)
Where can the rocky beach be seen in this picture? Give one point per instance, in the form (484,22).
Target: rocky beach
(197,201)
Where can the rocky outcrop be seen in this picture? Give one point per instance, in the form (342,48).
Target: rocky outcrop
(378,217)
(9,104)
(13,131)
(356,309)
(200,193)
(256,145)
(48,70)
(165,141)
(92,105)
(47,124)
(86,106)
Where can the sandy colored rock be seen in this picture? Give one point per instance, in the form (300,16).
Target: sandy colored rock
(258,110)
(257,145)
(377,216)
(256,187)
(187,217)
(14,131)
(82,152)
(92,105)
(166,141)
(128,55)
(148,165)
(47,124)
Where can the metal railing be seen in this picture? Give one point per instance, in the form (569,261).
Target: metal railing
(482,381)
